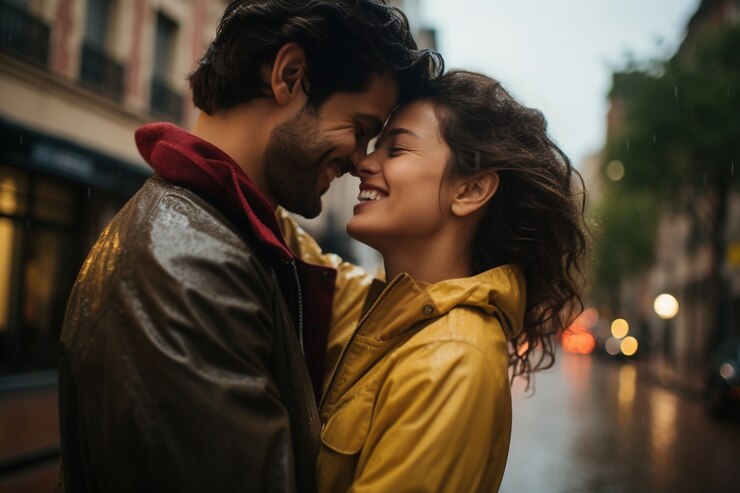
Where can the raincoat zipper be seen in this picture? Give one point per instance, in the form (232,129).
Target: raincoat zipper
(354,333)
(300,303)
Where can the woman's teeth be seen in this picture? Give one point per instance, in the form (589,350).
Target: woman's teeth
(366,195)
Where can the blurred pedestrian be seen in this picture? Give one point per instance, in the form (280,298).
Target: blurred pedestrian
(181,365)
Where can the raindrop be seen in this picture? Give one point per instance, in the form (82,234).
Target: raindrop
(20,138)
(628,144)
(88,193)
(615,170)
(654,139)
(675,92)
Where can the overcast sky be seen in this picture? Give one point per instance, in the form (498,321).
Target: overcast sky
(557,55)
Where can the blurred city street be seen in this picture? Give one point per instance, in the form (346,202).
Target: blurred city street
(641,96)
(596,425)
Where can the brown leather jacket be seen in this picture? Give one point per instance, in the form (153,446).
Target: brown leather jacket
(180,367)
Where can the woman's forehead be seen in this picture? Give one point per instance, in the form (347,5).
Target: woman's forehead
(417,116)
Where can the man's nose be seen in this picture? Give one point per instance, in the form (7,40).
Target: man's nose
(355,159)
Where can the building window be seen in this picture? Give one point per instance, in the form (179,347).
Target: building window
(23,34)
(164,100)
(39,257)
(99,70)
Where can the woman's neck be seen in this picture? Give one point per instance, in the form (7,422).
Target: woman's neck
(428,261)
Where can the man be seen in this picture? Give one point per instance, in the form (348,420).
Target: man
(181,365)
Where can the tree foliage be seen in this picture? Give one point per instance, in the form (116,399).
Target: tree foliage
(677,133)
(680,129)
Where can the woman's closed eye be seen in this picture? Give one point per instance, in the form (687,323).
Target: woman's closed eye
(395,150)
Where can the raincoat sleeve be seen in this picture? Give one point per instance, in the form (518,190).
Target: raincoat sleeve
(179,396)
(441,423)
(352,285)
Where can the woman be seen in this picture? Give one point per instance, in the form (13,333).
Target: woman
(480,225)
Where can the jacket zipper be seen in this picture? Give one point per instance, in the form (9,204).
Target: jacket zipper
(357,329)
(300,303)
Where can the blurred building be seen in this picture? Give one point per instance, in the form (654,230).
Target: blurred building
(681,347)
(77,77)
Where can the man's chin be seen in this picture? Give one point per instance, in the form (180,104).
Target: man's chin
(309,211)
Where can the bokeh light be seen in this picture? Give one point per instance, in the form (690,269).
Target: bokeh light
(727,371)
(666,306)
(620,328)
(578,337)
(628,346)
(612,346)
(615,170)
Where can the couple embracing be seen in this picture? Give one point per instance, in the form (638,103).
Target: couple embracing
(209,344)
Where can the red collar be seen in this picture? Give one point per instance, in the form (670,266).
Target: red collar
(185,160)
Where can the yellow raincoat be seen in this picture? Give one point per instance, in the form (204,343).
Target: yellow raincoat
(419,398)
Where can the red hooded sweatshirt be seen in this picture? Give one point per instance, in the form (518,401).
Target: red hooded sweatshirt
(187,161)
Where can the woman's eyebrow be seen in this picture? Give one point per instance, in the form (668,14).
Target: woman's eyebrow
(399,131)
(394,132)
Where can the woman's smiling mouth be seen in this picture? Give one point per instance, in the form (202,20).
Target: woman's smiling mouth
(371,195)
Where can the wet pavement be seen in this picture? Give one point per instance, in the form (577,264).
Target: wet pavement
(596,425)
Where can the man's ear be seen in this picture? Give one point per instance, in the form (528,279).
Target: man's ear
(286,73)
(473,193)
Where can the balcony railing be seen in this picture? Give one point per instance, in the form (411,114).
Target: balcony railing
(101,72)
(165,101)
(23,35)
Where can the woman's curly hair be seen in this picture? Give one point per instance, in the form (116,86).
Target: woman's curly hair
(535,219)
(345,41)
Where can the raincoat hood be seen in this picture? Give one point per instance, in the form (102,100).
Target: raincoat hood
(500,292)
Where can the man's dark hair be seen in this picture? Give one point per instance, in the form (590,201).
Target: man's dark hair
(344,41)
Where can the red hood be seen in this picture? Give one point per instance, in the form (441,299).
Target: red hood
(185,160)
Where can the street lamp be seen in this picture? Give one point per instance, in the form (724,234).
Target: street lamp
(666,306)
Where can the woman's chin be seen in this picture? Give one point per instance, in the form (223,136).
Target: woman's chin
(361,233)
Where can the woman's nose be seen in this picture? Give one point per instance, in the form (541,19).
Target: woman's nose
(368,165)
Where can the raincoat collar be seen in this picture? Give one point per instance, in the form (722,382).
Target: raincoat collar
(188,161)
(405,302)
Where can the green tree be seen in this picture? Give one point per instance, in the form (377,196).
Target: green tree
(678,134)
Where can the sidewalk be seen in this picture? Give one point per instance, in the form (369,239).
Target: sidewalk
(29,440)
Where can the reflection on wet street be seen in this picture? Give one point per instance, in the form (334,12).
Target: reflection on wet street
(603,426)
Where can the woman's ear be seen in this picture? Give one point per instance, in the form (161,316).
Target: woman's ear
(473,193)
(286,73)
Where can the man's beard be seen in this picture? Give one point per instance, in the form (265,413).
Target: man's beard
(293,159)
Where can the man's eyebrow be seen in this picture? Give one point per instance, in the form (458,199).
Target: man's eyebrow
(373,123)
